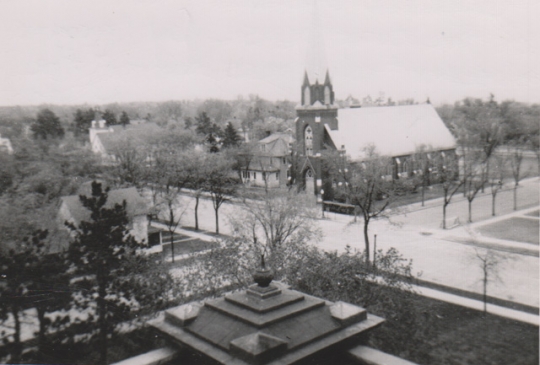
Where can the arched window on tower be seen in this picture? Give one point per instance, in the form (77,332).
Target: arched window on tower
(326,95)
(308,141)
(307,96)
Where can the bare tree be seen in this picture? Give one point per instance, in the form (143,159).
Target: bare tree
(496,178)
(489,262)
(516,159)
(474,174)
(130,162)
(367,185)
(450,184)
(480,125)
(421,172)
(219,182)
(280,217)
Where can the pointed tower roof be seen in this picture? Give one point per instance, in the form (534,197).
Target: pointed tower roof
(316,65)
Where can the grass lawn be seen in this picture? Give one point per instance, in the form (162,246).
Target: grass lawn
(513,229)
(457,335)
(464,336)
(187,247)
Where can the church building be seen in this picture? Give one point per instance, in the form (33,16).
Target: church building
(395,131)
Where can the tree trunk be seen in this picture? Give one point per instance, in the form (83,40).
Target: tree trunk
(444,215)
(366,238)
(17,346)
(515,197)
(485,293)
(493,205)
(41,334)
(470,211)
(375,252)
(196,212)
(217,221)
(423,190)
(102,322)
(172,242)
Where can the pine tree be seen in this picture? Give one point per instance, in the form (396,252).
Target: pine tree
(47,125)
(231,137)
(83,121)
(124,119)
(113,272)
(109,117)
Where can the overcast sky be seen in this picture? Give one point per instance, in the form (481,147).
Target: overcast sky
(70,52)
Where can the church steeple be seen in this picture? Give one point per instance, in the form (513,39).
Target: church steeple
(317,90)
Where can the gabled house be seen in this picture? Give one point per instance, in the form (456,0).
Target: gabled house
(106,141)
(270,163)
(71,210)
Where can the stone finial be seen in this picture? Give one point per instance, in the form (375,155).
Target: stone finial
(263,276)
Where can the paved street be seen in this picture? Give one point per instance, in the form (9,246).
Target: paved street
(415,232)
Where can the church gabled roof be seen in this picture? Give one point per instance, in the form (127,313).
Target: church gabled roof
(393,130)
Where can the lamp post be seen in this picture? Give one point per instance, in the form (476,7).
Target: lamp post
(322,201)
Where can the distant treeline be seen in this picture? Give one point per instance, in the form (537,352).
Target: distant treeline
(243,113)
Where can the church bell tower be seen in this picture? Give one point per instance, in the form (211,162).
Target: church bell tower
(316,112)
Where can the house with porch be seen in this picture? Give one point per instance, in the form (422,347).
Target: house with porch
(269,165)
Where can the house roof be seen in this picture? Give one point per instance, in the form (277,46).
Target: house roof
(135,204)
(276,144)
(137,133)
(394,130)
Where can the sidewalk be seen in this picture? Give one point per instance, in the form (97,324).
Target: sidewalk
(478,305)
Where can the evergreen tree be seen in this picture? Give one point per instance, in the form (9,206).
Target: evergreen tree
(109,117)
(32,278)
(116,278)
(47,125)
(204,124)
(231,137)
(83,121)
(124,119)
(210,131)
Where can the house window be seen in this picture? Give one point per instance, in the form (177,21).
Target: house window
(264,175)
(307,96)
(284,160)
(254,175)
(308,137)
(277,176)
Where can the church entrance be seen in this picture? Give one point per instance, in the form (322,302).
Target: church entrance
(310,181)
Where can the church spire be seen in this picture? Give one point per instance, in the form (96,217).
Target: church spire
(316,65)
(317,90)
